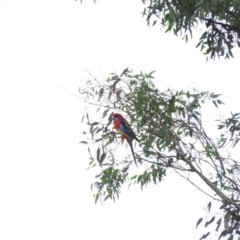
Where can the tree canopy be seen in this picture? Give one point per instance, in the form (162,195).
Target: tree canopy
(221,19)
(172,135)
(218,19)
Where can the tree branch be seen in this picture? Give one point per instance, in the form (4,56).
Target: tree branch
(196,185)
(211,185)
(226,26)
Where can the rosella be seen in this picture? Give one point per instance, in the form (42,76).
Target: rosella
(123,128)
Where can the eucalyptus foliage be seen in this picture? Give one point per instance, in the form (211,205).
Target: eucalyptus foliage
(219,18)
(172,135)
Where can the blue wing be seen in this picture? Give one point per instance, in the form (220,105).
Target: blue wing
(127,130)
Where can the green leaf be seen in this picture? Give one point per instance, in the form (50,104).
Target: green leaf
(199,3)
(109,95)
(82,119)
(106,197)
(118,93)
(198,222)
(223,234)
(98,154)
(218,223)
(125,71)
(105,113)
(96,197)
(100,93)
(219,102)
(151,73)
(209,222)
(235,143)
(116,82)
(133,177)
(215,103)
(220,126)
(215,95)
(230,52)
(204,236)
(200,42)
(103,156)
(209,206)
(94,123)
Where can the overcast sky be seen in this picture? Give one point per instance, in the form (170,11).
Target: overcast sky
(44,186)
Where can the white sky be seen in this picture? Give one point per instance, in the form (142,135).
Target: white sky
(44,187)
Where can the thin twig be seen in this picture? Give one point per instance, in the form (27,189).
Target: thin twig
(196,186)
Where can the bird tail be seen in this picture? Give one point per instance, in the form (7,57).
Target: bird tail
(134,157)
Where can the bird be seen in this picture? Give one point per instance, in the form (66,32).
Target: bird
(123,128)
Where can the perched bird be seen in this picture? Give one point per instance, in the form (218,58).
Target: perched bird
(123,128)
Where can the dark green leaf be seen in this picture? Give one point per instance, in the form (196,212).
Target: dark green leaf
(100,93)
(204,236)
(105,113)
(209,206)
(94,123)
(98,154)
(106,197)
(125,71)
(154,22)
(199,221)
(133,177)
(236,141)
(218,223)
(215,103)
(116,82)
(96,197)
(223,234)
(82,118)
(219,102)
(215,95)
(103,156)
(109,95)
(209,222)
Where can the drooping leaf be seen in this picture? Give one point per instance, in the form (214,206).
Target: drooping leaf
(105,113)
(210,221)
(198,222)
(101,91)
(204,236)
(103,156)
(96,197)
(209,206)
(98,154)
(223,234)
(218,223)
